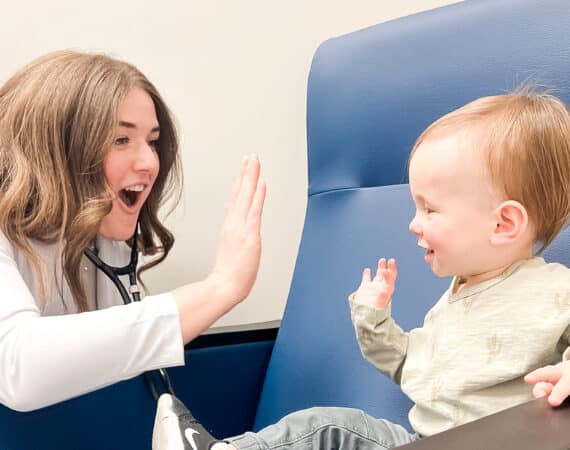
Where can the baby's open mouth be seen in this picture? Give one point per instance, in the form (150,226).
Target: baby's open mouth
(428,250)
(130,194)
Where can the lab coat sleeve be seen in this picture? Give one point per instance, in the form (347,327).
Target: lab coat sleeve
(45,360)
(382,342)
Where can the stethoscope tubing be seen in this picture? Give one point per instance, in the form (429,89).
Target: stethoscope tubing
(113,272)
(130,269)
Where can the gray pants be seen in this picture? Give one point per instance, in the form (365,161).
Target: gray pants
(326,429)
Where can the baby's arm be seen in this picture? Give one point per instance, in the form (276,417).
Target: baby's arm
(551,381)
(381,340)
(377,292)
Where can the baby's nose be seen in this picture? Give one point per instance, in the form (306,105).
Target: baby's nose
(415,226)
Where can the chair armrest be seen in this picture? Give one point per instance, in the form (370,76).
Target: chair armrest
(223,376)
(534,425)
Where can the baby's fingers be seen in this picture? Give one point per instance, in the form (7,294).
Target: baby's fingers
(365,276)
(381,268)
(392,268)
(387,271)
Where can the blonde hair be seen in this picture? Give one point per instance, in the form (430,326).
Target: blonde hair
(57,117)
(525,140)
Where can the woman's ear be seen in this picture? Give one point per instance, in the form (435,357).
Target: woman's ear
(511,221)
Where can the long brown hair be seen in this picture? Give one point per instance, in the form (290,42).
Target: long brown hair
(57,117)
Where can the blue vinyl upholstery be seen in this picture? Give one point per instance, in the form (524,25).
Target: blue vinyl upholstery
(121,416)
(370,94)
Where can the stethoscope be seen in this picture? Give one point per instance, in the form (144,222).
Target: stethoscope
(113,273)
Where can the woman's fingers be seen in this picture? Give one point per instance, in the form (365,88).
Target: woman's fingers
(248,187)
(256,210)
(237,184)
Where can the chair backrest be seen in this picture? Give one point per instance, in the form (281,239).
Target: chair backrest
(120,416)
(370,95)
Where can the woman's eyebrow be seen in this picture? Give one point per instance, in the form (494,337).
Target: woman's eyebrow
(123,123)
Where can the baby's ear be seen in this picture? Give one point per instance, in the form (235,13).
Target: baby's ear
(511,223)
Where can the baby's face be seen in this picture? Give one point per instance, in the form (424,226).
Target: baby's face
(455,205)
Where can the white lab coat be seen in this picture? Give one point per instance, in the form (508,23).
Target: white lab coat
(51,353)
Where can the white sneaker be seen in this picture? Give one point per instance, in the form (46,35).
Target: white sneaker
(176,429)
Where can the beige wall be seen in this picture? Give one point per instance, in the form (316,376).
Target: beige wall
(235,75)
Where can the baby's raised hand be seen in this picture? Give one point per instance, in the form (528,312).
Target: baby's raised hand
(377,291)
(551,381)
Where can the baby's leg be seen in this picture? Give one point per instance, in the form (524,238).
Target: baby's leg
(325,428)
(314,429)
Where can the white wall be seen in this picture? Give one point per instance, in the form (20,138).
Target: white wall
(235,75)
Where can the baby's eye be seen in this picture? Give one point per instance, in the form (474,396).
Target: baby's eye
(428,210)
(121,141)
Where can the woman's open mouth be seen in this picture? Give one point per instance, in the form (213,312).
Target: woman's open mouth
(130,195)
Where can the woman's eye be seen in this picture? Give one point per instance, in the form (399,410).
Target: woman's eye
(122,141)
(153,143)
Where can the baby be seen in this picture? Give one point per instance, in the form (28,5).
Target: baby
(491,182)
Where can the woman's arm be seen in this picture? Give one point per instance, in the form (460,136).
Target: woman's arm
(45,360)
(48,359)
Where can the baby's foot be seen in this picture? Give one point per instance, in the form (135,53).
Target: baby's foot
(176,429)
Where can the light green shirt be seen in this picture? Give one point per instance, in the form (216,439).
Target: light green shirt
(469,358)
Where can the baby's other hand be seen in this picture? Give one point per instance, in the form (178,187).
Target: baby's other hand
(377,291)
(551,381)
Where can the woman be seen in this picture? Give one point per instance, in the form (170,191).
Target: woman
(88,154)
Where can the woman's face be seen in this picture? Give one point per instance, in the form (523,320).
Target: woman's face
(131,165)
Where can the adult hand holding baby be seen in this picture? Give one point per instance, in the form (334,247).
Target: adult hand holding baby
(552,381)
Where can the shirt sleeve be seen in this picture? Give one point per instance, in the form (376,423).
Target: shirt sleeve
(566,354)
(381,340)
(45,360)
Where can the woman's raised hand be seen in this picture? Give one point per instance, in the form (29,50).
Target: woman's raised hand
(201,303)
(239,250)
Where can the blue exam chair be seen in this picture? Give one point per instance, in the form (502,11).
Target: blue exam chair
(370,95)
